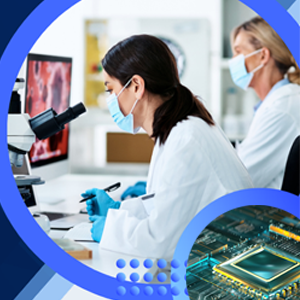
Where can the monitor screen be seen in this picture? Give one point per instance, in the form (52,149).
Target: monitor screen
(48,84)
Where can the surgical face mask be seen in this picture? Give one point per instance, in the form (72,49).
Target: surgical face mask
(124,123)
(238,70)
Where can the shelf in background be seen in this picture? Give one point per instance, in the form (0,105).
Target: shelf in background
(224,63)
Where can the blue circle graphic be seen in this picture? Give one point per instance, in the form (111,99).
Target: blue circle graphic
(175,277)
(121,263)
(134,291)
(267,197)
(175,291)
(148,290)
(134,277)
(162,291)
(148,277)
(161,263)
(161,277)
(121,291)
(175,264)
(32,234)
(288,28)
(134,263)
(148,263)
(121,277)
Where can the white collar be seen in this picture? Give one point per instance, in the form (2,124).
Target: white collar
(286,90)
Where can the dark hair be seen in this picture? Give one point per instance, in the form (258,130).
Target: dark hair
(150,58)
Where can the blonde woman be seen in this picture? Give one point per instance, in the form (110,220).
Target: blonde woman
(263,62)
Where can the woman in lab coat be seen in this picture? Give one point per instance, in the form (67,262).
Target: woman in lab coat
(192,163)
(262,61)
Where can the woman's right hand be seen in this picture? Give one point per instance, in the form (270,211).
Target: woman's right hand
(135,191)
(100,204)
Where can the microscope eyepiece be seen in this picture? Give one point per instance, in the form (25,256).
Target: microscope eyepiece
(70,114)
(49,122)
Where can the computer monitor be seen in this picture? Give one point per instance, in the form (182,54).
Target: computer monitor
(48,84)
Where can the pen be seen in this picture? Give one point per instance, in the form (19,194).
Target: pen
(108,189)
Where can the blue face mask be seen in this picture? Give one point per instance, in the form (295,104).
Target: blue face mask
(238,70)
(124,123)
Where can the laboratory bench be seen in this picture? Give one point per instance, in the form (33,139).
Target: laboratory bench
(63,195)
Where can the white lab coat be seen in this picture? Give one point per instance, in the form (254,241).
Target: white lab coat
(195,166)
(273,130)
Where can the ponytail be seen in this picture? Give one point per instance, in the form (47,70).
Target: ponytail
(177,108)
(150,58)
(294,75)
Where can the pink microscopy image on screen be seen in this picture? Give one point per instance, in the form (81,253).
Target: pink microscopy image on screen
(48,85)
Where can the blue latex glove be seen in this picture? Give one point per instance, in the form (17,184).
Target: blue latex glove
(100,204)
(134,191)
(98,226)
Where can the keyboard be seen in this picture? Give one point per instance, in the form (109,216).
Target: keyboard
(54,215)
(69,222)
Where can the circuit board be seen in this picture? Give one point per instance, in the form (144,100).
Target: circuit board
(250,253)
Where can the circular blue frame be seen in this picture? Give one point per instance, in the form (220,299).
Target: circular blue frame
(18,214)
(268,197)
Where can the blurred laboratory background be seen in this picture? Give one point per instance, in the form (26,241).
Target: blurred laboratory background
(198,34)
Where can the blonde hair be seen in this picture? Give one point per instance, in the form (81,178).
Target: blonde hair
(263,35)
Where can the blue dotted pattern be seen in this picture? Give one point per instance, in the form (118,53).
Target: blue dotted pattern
(161,290)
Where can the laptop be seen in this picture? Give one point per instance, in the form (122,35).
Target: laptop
(61,221)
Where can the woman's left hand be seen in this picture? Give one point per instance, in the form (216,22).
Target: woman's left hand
(98,226)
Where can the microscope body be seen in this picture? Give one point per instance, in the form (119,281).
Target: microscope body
(23,130)
(20,137)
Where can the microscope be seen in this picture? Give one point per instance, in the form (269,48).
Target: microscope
(23,130)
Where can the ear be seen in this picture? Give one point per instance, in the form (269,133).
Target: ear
(138,85)
(265,55)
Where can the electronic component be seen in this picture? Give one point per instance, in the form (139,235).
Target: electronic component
(285,233)
(261,270)
(250,253)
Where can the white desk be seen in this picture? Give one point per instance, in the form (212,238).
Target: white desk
(69,187)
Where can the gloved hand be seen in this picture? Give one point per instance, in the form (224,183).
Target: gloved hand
(98,226)
(100,204)
(134,191)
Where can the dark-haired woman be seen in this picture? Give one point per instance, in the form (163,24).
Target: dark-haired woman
(192,162)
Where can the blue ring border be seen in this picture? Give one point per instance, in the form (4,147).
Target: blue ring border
(11,61)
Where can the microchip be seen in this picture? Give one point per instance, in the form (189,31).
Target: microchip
(262,268)
(265,265)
